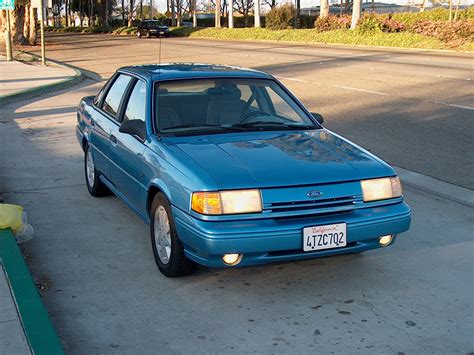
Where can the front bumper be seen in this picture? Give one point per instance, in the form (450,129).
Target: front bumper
(269,240)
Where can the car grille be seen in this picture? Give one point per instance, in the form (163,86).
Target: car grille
(319,207)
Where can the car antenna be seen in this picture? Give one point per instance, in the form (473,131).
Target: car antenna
(159,89)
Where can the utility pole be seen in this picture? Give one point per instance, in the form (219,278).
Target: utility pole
(43,51)
(8,38)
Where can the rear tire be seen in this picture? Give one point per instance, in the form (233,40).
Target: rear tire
(95,186)
(167,248)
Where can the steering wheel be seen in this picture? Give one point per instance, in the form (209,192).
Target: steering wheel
(251,114)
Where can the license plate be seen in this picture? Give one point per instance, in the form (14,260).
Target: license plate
(324,237)
(162,33)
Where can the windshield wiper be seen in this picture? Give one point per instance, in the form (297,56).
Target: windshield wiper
(203,125)
(271,123)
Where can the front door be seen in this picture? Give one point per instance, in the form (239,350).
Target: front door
(126,152)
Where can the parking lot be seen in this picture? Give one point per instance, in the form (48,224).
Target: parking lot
(104,293)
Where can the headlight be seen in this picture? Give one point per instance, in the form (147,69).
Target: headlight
(227,202)
(381,189)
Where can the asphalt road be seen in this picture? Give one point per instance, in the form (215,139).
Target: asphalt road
(413,109)
(105,294)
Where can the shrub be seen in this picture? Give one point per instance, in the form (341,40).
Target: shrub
(332,22)
(369,25)
(453,33)
(439,14)
(281,17)
(375,23)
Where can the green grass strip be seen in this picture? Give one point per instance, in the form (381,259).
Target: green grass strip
(312,36)
(38,328)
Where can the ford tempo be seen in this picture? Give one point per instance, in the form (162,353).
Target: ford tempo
(229,168)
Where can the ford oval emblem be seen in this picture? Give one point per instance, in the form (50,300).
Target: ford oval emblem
(314,193)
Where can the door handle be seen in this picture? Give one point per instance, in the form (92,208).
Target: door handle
(113,139)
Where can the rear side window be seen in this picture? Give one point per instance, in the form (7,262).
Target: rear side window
(137,103)
(114,96)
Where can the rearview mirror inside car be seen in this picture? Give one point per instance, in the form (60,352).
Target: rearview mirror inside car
(134,127)
(318,117)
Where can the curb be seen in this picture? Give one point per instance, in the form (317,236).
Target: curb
(43,89)
(39,331)
(436,187)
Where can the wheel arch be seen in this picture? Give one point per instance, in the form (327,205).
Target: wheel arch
(155,188)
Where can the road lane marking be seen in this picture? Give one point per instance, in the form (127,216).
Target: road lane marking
(358,89)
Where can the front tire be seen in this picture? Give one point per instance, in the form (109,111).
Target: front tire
(167,248)
(94,185)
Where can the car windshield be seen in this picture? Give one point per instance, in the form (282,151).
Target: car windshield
(199,106)
(154,23)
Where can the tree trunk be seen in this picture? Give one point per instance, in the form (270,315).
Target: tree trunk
(17,21)
(324,9)
(450,10)
(26,23)
(256,13)
(231,13)
(33,33)
(297,17)
(106,13)
(423,5)
(457,10)
(178,13)
(194,13)
(218,14)
(130,13)
(173,13)
(356,8)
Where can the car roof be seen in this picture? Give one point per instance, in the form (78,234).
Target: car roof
(177,71)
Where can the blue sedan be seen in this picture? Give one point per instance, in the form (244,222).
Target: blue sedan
(229,168)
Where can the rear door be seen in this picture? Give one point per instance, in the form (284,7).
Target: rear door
(126,151)
(105,119)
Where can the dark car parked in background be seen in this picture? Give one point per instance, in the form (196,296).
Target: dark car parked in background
(149,28)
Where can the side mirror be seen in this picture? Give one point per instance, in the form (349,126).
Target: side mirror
(134,127)
(318,117)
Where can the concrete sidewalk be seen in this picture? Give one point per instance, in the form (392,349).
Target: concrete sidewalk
(20,80)
(12,335)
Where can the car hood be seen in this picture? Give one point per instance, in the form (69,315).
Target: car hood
(274,159)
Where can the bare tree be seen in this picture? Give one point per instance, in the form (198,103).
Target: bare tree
(270,3)
(356,9)
(243,7)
